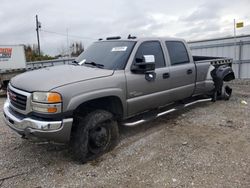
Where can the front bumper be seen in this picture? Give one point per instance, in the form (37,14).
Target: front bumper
(58,131)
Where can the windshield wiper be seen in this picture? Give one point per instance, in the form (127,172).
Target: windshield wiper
(94,64)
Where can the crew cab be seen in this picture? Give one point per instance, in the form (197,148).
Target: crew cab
(113,82)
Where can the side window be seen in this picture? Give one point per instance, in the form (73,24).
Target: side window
(151,48)
(177,52)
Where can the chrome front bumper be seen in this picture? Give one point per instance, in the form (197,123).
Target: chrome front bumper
(58,131)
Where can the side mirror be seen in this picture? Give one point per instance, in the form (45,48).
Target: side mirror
(144,64)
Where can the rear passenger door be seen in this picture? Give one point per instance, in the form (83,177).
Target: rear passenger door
(182,70)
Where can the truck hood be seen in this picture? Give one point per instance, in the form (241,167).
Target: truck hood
(51,77)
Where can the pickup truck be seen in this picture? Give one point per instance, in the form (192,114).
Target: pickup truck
(114,82)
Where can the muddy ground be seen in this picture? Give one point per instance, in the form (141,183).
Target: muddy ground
(206,145)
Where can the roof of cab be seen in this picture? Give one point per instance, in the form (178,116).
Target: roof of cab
(146,39)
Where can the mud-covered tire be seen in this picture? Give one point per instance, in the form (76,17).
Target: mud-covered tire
(227,92)
(224,94)
(93,135)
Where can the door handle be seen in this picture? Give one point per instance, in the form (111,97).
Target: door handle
(165,75)
(189,71)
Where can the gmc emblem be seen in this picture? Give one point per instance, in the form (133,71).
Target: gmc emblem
(12,96)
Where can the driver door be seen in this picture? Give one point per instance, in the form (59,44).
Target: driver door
(143,95)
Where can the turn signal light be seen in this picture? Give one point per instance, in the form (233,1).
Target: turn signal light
(54,98)
(52,110)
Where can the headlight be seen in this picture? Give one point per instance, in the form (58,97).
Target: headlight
(46,97)
(46,102)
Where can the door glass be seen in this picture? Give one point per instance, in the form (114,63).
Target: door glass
(177,52)
(151,48)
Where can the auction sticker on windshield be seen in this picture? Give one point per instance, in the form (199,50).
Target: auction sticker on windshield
(119,49)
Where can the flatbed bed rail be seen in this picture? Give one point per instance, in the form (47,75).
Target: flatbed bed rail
(38,64)
(212,60)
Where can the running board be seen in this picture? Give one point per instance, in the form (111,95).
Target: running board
(140,121)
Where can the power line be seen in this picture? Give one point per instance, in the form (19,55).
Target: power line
(66,35)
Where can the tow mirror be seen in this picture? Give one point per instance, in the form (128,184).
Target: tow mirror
(144,64)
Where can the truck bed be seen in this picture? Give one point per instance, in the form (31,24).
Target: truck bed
(206,67)
(212,60)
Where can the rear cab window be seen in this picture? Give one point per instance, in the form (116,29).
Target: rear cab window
(177,52)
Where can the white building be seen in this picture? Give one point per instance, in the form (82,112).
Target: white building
(237,48)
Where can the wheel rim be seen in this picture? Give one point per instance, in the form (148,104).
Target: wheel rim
(99,138)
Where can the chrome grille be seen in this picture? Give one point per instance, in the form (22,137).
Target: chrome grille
(17,100)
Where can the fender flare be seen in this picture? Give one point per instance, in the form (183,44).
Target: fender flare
(222,74)
(76,101)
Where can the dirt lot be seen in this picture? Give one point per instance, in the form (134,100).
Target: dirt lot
(207,145)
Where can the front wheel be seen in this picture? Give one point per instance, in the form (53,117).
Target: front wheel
(93,135)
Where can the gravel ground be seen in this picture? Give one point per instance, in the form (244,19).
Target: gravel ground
(206,145)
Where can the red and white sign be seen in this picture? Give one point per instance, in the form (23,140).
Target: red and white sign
(5,52)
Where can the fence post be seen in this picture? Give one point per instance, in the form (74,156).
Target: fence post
(240,59)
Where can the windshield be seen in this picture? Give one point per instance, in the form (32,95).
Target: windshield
(109,54)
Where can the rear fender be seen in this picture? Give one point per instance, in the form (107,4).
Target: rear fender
(224,73)
(221,74)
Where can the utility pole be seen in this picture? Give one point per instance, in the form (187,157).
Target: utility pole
(68,43)
(38,26)
(235,42)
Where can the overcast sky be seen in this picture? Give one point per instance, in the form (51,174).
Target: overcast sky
(87,21)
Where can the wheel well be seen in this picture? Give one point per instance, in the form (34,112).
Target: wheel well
(112,104)
(229,77)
